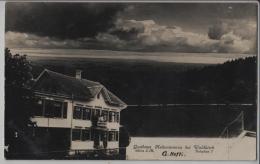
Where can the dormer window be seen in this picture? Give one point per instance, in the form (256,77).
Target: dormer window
(98,96)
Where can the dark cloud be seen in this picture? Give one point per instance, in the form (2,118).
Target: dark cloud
(73,20)
(61,20)
(152,37)
(175,27)
(217,30)
(246,29)
(195,17)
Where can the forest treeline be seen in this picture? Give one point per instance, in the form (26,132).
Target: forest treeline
(161,83)
(232,82)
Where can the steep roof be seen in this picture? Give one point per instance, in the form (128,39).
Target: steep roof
(50,82)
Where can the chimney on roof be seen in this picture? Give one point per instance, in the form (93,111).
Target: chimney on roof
(78,74)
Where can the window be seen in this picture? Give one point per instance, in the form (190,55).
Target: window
(65,109)
(76,134)
(86,114)
(81,113)
(92,136)
(117,136)
(97,112)
(85,135)
(113,117)
(81,135)
(53,109)
(104,136)
(117,116)
(110,116)
(39,108)
(77,113)
(104,114)
(56,109)
(47,108)
(112,136)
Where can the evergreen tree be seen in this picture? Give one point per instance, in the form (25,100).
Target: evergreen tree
(19,102)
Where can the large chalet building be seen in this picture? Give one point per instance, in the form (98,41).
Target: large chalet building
(82,114)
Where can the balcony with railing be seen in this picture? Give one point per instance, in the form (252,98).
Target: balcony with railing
(102,124)
(106,120)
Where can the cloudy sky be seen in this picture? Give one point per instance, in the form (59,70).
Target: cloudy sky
(138,27)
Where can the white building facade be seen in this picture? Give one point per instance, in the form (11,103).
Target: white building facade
(87,110)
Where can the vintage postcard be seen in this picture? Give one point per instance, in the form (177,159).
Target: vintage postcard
(131,81)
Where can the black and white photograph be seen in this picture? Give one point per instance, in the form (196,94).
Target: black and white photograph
(131,80)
